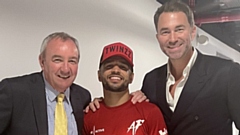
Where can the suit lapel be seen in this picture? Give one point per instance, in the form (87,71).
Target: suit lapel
(76,106)
(192,88)
(37,89)
(75,102)
(161,93)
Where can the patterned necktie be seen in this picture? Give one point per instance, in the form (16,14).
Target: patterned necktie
(60,117)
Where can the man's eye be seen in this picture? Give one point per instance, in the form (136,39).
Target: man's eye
(124,68)
(108,67)
(165,32)
(57,60)
(73,61)
(179,30)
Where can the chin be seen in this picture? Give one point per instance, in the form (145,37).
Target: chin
(65,85)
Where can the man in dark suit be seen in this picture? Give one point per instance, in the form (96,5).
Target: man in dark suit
(27,103)
(198,94)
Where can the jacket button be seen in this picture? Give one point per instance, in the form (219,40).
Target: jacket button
(196,117)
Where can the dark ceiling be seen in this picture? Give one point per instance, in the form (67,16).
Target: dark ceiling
(219,18)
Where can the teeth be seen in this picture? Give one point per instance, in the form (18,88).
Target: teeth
(175,46)
(115,78)
(64,77)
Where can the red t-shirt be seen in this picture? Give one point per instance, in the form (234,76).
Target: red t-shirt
(127,119)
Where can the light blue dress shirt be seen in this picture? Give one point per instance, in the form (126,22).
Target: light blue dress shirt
(51,96)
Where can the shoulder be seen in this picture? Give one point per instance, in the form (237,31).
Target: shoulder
(80,92)
(157,71)
(24,78)
(212,63)
(148,107)
(21,85)
(209,59)
(78,88)
(79,96)
(93,115)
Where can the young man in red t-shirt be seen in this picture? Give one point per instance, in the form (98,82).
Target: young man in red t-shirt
(117,114)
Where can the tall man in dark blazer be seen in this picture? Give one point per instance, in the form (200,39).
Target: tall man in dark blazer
(198,94)
(27,103)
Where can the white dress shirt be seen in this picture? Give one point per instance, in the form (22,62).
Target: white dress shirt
(172,102)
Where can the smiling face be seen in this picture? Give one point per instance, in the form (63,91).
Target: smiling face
(175,34)
(115,74)
(59,63)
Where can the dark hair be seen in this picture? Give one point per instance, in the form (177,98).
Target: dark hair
(174,6)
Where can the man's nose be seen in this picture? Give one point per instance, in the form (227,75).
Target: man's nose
(173,38)
(115,69)
(65,67)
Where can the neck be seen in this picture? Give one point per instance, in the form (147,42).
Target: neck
(177,66)
(113,99)
(176,69)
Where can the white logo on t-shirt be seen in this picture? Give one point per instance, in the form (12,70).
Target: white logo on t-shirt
(135,125)
(95,131)
(164,132)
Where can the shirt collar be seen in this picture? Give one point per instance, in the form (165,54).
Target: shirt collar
(188,67)
(52,93)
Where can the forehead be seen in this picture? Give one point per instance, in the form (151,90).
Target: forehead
(60,45)
(167,19)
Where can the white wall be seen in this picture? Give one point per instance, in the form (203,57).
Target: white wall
(24,24)
(94,23)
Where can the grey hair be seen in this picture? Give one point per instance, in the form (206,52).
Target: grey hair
(61,35)
(174,6)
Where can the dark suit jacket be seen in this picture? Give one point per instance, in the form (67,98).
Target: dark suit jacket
(209,102)
(23,108)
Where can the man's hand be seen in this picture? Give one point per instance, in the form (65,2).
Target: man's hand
(138,96)
(94,105)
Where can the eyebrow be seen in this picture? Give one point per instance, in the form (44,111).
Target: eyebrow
(56,56)
(178,26)
(163,29)
(59,56)
(73,57)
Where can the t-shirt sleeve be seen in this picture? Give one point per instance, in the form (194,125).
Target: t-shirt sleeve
(86,130)
(155,123)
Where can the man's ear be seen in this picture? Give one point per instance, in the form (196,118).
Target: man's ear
(194,32)
(41,61)
(157,36)
(131,77)
(99,76)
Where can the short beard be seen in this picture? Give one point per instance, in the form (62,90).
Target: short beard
(121,88)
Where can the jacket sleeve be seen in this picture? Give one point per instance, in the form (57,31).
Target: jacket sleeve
(5,105)
(234,94)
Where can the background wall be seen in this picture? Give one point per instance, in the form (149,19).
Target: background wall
(24,24)
(94,23)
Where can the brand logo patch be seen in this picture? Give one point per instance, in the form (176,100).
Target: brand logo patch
(135,125)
